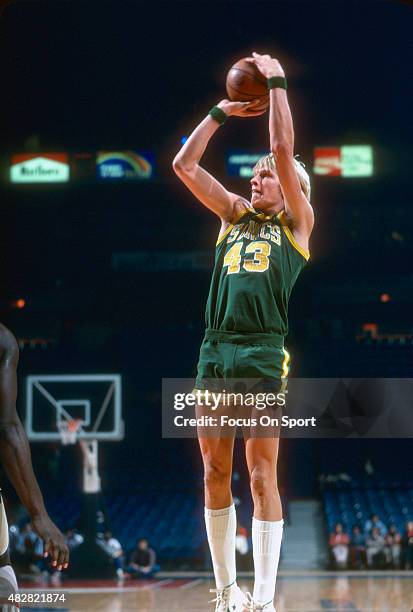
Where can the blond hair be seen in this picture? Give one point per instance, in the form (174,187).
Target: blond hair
(268,163)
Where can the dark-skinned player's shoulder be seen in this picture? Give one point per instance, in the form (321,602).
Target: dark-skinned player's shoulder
(241,206)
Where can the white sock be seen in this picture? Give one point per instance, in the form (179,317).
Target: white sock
(221,526)
(266,544)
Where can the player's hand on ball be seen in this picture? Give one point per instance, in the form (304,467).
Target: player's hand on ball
(54,542)
(254,108)
(267,65)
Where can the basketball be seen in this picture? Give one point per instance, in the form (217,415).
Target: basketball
(245,82)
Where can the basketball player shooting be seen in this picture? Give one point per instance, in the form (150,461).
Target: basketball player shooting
(261,249)
(16,460)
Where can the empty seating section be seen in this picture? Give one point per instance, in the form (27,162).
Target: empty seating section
(352,503)
(172,521)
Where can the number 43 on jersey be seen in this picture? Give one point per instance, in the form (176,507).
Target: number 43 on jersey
(258,263)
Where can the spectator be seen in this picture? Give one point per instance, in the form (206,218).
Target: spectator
(242,548)
(29,555)
(408,545)
(16,547)
(375,521)
(73,538)
(357,548)
(113,548)
(376,556)
(14,537)
(143,560)
(393,547)
(30,548)
(339,544)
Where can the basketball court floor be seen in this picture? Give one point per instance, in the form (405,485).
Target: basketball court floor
(307,592)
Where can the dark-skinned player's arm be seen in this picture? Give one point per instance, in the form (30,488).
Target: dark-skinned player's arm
(16,458)
(203,185)
(281,129)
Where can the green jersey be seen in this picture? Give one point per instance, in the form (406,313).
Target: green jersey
(257,263)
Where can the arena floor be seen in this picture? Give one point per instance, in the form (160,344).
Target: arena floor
(306,592)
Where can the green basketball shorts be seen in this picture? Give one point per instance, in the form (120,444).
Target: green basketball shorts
(253,357)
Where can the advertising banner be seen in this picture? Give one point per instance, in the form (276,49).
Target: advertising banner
(39,168)
(124,165)
(241,163)
(346,161)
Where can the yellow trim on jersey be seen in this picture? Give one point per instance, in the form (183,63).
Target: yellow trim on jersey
(222,236)
(263,217)
(229,228)
(286,363)
(291,237)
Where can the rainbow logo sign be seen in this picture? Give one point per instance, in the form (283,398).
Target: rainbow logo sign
(124,165)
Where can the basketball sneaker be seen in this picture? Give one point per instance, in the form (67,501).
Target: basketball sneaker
(229,599)
(252,606)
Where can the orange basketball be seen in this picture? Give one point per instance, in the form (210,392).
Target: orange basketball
(245,82)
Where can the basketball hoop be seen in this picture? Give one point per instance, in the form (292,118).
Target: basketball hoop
(68,431)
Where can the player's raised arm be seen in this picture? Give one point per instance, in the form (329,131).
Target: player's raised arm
(281,130)
(15,454)
(203,185)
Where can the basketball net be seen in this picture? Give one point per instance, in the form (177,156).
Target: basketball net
(68,431)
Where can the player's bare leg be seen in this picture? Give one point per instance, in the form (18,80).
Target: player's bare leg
(220,520)
(267,523)
(217,458)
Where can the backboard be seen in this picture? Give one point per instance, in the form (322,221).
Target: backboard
(93,399)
